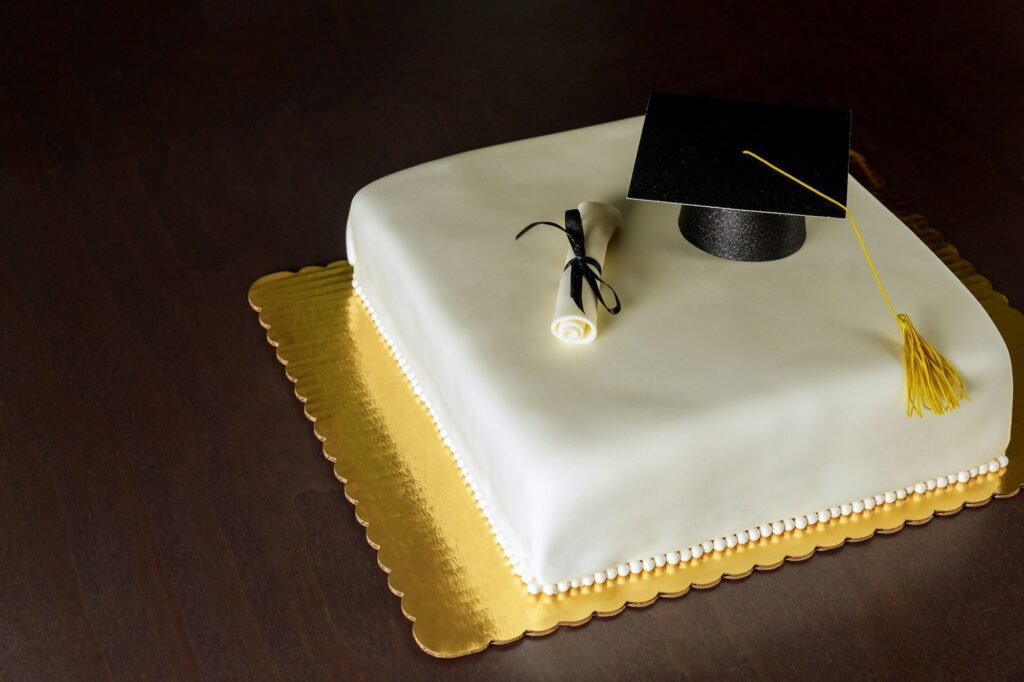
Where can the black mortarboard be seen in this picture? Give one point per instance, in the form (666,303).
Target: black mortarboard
(691,153)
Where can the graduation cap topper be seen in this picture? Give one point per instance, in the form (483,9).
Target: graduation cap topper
(690,153)
(746,174)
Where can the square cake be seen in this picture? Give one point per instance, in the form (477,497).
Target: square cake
(727,403)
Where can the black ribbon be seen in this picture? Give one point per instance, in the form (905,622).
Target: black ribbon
(583,266)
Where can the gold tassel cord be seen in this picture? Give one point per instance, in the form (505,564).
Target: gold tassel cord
(931,382)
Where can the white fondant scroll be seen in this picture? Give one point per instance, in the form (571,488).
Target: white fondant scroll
(570,325)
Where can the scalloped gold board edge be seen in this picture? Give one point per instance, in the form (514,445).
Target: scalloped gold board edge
(454,582)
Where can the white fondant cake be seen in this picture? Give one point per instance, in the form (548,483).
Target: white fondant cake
(726,402)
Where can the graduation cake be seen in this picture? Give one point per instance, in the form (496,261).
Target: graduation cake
(730,399)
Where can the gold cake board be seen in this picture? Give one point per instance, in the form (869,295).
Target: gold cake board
(454,581)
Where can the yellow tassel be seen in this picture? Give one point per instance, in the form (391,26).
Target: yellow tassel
(931,382)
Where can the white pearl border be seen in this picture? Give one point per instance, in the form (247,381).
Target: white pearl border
(676,557)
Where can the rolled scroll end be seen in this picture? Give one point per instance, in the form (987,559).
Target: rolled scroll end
(599,217)
(574,329)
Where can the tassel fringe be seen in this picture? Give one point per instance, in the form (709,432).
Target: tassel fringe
(931,381)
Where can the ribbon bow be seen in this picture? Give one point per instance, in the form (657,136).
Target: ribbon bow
(583,266)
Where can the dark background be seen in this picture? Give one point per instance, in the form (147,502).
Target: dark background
(165,511)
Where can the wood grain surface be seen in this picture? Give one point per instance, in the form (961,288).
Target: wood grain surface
(165,512)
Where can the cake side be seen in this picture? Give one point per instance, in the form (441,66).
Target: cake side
(725,396)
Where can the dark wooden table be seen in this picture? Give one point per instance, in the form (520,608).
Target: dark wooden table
(165,511)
